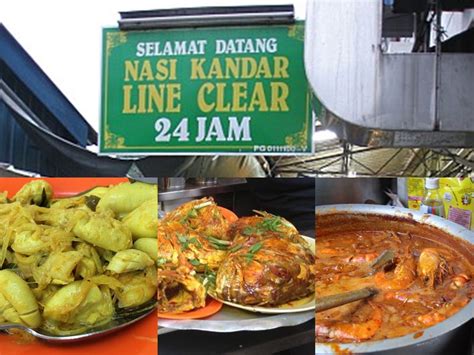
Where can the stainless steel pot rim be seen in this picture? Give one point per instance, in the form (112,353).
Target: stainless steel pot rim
(430,333)
(427,334)
(441,223)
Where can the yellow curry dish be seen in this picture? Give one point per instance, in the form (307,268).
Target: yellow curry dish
(67,264)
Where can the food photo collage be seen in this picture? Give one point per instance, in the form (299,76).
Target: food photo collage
(236,265)
(237,177)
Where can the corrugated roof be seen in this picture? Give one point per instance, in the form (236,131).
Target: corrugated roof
(17,63)
(342,159)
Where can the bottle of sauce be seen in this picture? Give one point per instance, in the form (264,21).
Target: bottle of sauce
(432,202)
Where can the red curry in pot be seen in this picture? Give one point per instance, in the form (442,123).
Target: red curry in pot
(427,282)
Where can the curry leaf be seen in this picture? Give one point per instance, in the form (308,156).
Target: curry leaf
(271,223)
(194,262)
(248,231)
(161,261)
(194,241)
(209,278)
(218,241)
(256,247)
(249,257)
(252,250)
(192,213)
(235,248)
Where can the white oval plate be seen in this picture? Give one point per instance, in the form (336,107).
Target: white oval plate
(301,305)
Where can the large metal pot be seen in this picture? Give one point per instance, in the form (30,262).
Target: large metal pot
(438,339)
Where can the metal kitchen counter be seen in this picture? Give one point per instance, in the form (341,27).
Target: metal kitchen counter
(288,340)
(194,191)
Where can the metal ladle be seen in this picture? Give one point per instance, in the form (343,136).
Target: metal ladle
(332,301)
(122,319)
(336,300)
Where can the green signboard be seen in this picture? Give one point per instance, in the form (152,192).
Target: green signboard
(227,90)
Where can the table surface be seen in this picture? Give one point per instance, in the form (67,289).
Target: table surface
(291,340)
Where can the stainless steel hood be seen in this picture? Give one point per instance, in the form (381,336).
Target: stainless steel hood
(378,99)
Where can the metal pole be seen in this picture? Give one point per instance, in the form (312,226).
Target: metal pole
(438,10)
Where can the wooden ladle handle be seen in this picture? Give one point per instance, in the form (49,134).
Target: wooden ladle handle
(339,299)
